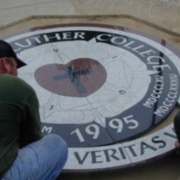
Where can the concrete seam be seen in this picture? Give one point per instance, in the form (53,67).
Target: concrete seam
(93,16)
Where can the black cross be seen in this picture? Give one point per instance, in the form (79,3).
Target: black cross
(74,77)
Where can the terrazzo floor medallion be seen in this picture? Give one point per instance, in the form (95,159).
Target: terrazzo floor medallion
(101,88)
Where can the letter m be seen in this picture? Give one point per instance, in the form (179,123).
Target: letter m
(46,129)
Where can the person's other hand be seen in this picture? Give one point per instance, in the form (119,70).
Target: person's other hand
(177,144)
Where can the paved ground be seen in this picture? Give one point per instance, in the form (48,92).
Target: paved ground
(157,17)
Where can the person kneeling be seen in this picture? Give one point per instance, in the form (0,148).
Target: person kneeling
(25,153)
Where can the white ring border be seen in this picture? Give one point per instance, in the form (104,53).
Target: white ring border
(71,165)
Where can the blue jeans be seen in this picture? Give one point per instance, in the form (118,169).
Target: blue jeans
(40,160)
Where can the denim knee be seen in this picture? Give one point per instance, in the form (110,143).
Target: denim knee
(57,142)
(55,139)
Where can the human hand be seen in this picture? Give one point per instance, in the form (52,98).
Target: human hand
(177,144)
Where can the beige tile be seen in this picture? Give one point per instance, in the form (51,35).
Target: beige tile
(7,4)
(151,10)
(164,13)
(13,13)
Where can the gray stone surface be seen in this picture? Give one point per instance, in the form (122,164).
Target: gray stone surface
(163,13)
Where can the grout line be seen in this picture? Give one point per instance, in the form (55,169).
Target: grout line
(29,5)
(90,17)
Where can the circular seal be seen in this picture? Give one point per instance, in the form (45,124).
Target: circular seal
(100,88)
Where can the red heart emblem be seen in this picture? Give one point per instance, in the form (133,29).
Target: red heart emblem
(79,78)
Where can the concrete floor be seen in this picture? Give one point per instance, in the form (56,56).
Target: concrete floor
(156,17)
